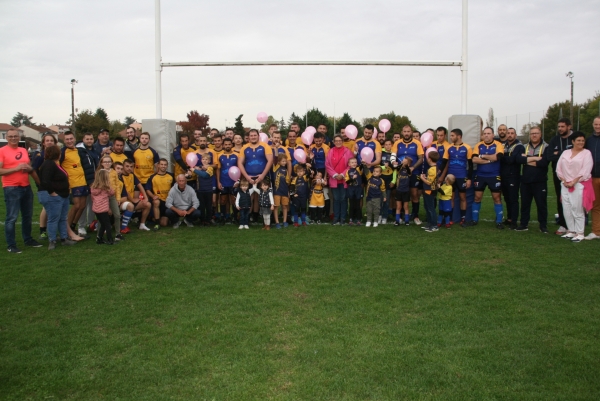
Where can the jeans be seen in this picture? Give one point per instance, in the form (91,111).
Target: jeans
(244,216)
(18,198)
(174,217)
(385,204)
(57,209)
(340,204)
(429,201)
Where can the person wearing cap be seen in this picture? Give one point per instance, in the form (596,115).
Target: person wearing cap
(103,144)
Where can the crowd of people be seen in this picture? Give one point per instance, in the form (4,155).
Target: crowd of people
(99,185)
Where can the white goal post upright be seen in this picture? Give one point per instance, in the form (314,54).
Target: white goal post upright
(433,63)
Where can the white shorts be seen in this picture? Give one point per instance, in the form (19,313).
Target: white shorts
(124,205)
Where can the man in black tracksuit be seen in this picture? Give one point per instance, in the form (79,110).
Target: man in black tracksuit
(534,179)
(510,176)
(557,146)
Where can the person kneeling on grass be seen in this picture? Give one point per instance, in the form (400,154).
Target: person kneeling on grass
(101,192)
(375,191)
(182,202)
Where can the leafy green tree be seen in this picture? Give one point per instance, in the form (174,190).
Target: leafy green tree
(397,122)
(21,119)
(315,117)
(129,120)
(116,126)
(295,119)
(346,120)
(239,126)
(101,113)
(86,121)
(589,110)
(270,120)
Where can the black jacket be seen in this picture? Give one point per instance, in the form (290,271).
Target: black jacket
(509,166)
(539,172)
(558,144)
(53,179)
(593,145)
(88,162)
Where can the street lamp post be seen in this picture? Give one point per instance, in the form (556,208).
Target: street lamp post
(73,82)
(571,75)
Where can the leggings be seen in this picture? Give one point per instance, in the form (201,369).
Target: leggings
(355,210)
(104,220)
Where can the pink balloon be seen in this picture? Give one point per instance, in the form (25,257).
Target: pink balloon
(426,139)
(307,138)
(310,129)
(262,117)
(191,159)
(375,132)
(300,156)
(263,137)
(385,125)
(366,154)
(234,173)
(351,132)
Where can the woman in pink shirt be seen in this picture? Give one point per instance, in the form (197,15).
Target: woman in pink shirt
(336,165)
(573,168)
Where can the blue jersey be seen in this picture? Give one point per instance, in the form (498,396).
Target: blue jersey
(280,182)
(488,169)
(363,143)
(441,149)
(224,161)
(412,149)
(254,158)
(320,154)
(458,157)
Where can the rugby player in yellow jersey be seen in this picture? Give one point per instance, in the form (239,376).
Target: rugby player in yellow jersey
(180,156)
(157,189)
(132,188)
(278,149)
(348,143)
(118,148)
(145,158)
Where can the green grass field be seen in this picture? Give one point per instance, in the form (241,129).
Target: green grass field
(314,313)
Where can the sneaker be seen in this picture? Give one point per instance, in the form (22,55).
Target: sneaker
(285,225)
(278,226)
(417,221)
(368,224)
(500,226)
(472,223)
(578,238)
(568,235)
(99,241)
(119,237)
(544,230)
(561,230)
(375,224)
(44,236)
(33,243)
(427,229)
(109,242)
(357,223)
(448,226)
(51,245)
(246,228)
(378,220)
(241,227)
(521,228)
(318,221)
(397,223)
(304,224)
(126,230)
(337,223)
(463,223)
(383,221)
(13,249)
(433,229)
(144,228)
(81,231)
(350,223)
(295,224)
(188,223)
(591,236)
(67,242)
(176,225)
(156,227)
(407,223)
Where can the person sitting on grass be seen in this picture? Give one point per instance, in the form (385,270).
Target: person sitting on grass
(101,192)
(375,191)
(182,202)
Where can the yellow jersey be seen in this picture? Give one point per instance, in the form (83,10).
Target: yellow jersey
(72,165)
(144,159)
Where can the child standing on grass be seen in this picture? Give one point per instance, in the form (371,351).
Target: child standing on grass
(317,199)
(281,189)
(430,191)
(106,163)
(265,201)
(403,191)
(299,193)
(243,201)
(445,200)
(101,193)
(354,192)
(375,193)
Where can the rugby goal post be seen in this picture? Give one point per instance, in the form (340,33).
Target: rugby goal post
(462,63)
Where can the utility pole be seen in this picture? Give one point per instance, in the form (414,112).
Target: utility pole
(571,75)
(73,82)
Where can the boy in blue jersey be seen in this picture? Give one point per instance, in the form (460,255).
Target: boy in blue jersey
(281,191)
(205,173)
(299,191)
(430,190)
(487,155)
(411,147)
(445,201)
(375,193)
(403,191)
(225,184)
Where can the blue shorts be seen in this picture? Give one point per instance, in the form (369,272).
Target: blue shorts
(354,192)
(78,192)
(445,205)
(460,185)
(493,183)
(226,191)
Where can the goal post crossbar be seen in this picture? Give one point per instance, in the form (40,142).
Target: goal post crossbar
(433,63)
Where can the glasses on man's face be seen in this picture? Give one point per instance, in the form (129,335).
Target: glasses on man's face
(12,137)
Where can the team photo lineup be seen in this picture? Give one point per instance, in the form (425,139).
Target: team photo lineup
(98,185)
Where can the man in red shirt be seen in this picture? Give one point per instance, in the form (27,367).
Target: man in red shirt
(15,169)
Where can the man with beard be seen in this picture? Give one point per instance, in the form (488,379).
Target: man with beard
(132,142)
(410,147)
(180,156)
(510,176)
(225,161)
(558,145)
(145,158)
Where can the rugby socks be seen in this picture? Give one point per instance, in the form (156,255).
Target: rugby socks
(295,218)
(440,218)
(415,209)
(499,213)
(463,214)
(397,217)
(406,218)
(126,217)
(304,217)
(476,208)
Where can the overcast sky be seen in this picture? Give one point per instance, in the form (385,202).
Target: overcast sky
(519,53)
